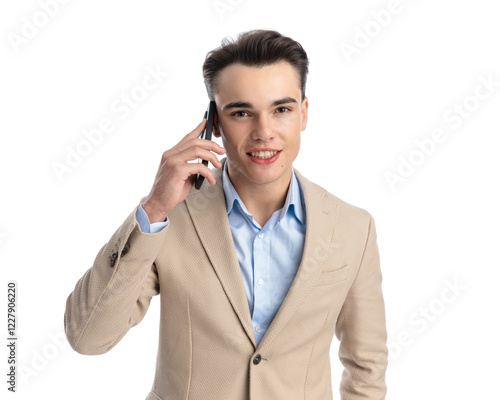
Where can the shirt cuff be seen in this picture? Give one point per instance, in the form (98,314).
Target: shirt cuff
(144,223)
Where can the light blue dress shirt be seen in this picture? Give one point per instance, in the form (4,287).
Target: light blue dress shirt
(269,256)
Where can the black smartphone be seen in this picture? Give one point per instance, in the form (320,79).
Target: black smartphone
(207,135)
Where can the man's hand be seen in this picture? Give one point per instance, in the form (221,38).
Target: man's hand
(175,176)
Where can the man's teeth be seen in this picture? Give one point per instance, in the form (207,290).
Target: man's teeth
(263,154)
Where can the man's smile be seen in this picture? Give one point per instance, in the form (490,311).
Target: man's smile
(264,157)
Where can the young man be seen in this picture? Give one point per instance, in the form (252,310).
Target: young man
(258,269)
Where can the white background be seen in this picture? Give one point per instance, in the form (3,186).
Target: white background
(438,227)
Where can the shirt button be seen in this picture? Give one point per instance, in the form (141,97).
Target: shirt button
(261,282)
(261,235)
(257,328)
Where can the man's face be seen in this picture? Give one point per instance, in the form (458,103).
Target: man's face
(260,108)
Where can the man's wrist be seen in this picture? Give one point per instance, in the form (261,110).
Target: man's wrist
(153,213)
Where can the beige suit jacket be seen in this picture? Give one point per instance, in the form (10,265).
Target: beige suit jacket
(207,348)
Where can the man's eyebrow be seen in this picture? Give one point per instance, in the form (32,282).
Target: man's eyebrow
(244,104)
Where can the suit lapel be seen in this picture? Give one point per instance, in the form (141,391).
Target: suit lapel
(207,208)
(317,247)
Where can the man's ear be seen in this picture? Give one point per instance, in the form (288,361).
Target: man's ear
(304,113)
(216,131)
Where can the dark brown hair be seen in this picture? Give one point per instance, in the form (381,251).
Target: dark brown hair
(255,49)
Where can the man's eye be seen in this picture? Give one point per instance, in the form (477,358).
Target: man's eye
(238,113)
(284,109)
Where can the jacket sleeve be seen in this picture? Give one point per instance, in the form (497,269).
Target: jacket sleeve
(114,294)
(361,330)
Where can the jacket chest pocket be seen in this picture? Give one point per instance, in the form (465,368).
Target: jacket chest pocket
(332,277)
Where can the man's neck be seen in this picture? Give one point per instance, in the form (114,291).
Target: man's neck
(261,199)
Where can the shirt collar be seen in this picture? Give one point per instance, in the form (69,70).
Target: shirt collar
(294,197)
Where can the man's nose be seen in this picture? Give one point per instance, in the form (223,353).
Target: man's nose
(263,128)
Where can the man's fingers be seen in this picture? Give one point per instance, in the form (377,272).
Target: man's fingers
(183,144)
(195,132)
(192,169)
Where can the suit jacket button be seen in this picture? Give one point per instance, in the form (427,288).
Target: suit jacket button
(125,249)
(257,359)
(114,256)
